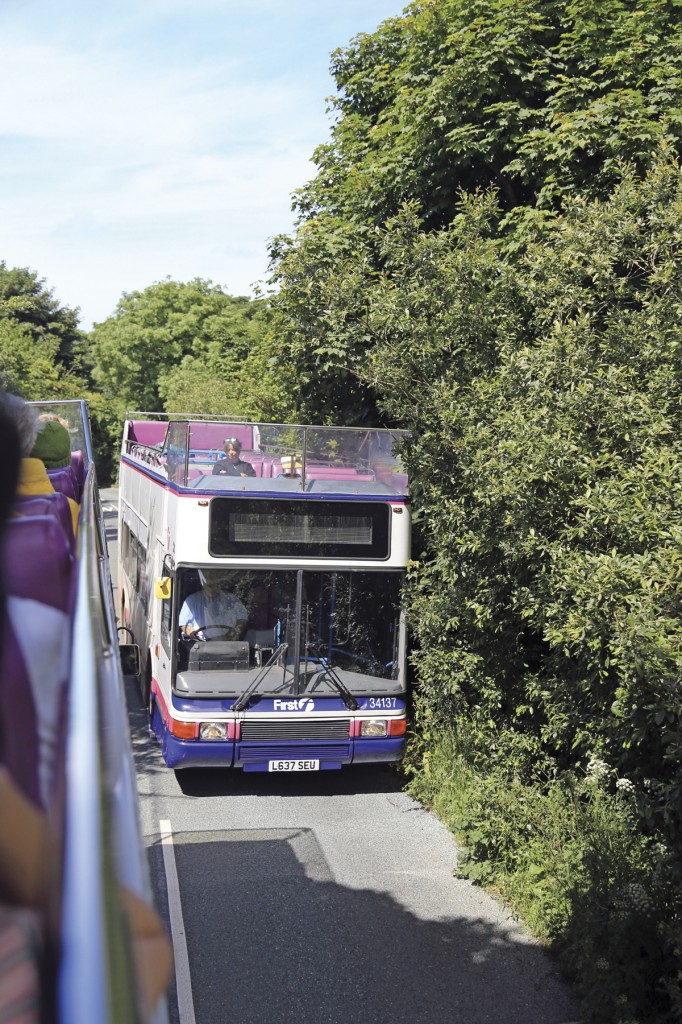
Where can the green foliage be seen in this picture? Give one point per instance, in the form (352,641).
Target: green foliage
(25,300)
(537,97)
(565,855)
(541,386)
(30,368)
(537,100)
(178,347)
(318,325)
(37,337)
(489,255)
(138,353)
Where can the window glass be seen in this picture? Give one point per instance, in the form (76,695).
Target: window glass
(314,622)
(166,611)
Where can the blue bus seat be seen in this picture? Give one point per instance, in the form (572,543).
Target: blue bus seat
(80,470)
(20,742)
(64,480)
(56,505)
(38,561)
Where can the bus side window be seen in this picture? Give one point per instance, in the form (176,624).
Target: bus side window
(132,561)
(142,574)
(166,609)
(125,549)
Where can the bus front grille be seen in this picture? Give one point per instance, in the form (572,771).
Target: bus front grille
(296,729)
(256,753)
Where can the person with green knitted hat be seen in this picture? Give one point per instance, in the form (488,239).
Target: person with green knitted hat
(48,448)
(52,445)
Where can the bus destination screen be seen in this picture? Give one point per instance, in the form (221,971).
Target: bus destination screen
(320,529)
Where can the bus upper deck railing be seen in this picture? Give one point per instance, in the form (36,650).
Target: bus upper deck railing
(102,845)
(188,452)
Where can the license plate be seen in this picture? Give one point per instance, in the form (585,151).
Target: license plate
(293,766)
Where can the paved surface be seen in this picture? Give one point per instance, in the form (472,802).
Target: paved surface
(330,899)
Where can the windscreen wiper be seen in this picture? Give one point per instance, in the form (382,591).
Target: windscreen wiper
(250,691)
(347,697)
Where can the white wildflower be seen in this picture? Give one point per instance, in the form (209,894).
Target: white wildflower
(625,786)
(597,769)
(639,898)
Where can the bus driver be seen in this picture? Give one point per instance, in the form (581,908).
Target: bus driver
(212,607)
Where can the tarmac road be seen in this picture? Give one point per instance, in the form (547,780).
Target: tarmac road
(325,899)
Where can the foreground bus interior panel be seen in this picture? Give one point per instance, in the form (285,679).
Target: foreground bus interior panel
(96,847)
(310,543)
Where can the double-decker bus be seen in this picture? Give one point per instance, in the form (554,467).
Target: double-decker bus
(294,548)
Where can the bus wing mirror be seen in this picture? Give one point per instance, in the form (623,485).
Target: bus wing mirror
(130,659)
(163,588)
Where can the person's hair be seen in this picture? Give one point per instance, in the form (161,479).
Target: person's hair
(23,417)
(45,416)
(234,442)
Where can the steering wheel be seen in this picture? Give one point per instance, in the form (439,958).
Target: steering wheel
(210,625)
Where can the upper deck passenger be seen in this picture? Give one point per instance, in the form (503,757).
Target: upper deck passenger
(233,465)
(45,444)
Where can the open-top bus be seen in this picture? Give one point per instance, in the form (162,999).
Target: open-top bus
(309,543)
(62,681)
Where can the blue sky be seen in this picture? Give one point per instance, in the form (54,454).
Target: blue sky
(144,139)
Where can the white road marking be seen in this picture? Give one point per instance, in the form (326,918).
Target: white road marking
(183,980)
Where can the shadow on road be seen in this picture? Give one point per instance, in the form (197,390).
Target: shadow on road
(274,939)
(298,948)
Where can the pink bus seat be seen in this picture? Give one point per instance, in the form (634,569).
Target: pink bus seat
(205,436)
(256,461)
(56,505)
(396,481)
(64,480)
(38,561)
(147,432)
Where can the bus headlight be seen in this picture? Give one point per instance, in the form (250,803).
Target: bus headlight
(212,730)
(374,727)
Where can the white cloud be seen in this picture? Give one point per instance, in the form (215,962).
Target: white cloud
(159,138)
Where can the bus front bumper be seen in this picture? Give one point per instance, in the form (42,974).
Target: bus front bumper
(256,757)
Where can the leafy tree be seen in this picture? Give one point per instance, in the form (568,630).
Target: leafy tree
(179,347)
(543,398)
(537,99)
(29,368)
(544,402)
(224,383)
(25,299)
(163,341)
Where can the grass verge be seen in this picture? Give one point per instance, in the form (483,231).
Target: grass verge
(567,855)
